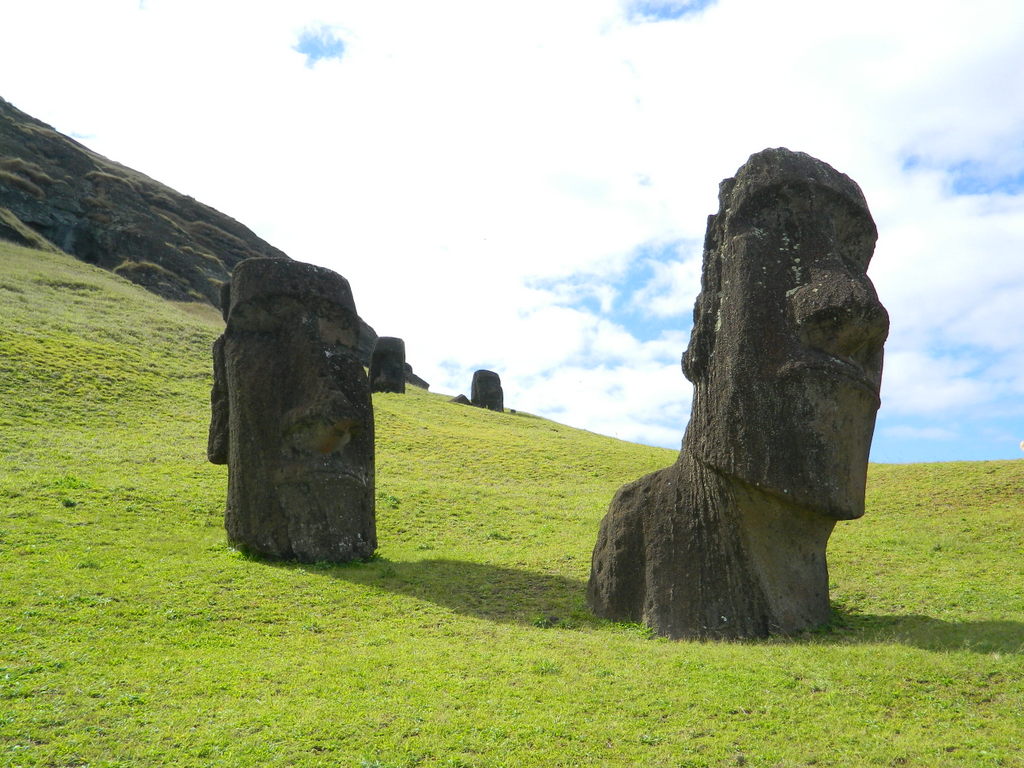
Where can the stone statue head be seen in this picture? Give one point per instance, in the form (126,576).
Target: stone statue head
(387,365)
(786,349)
(299,439)
(486,391)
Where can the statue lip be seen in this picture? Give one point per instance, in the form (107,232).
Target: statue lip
(294,473)
(835,366)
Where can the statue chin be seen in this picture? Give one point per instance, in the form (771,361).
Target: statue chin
(817,455)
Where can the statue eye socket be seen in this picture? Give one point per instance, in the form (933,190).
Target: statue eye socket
(336,331)
(265,314)
(331,437)
(316,435)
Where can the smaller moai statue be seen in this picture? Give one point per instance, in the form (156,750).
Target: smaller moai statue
(292,415)
(387,366)
(486,391)
(412,378)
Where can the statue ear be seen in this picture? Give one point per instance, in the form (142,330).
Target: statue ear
(705,309)
(217,444)
(702,340)
(225,299)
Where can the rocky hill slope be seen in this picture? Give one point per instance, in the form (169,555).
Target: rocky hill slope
(56,194)
(106,214)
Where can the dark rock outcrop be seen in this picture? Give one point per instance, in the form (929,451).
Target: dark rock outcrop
(292,415)
(119,219)
(412,378)
(486,391)
(387,366)
(786,360)
(461,400)
(56,194)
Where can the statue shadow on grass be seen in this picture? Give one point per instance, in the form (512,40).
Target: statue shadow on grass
(515,595)
(926,632)
(492,592)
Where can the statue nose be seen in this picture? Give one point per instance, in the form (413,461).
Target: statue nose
(841,316)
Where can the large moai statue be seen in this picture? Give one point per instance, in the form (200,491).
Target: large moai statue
(486,391)
(387,365)
(292,415)
(786,362)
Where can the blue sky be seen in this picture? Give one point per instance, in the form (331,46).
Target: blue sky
(525,187)
(319,42)
(640,11)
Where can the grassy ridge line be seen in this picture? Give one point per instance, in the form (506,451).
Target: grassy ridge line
(131,635)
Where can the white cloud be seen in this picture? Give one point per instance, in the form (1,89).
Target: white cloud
(918,383)
(486,176)
(673,284)
(646,402)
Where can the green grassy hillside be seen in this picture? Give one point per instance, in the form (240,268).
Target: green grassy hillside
(131,635)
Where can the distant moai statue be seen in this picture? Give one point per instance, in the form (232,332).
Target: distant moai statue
(486,391)
(412,378)
(292,415)
(387,365)
(786,361)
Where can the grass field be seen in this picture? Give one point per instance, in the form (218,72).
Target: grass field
(131,635)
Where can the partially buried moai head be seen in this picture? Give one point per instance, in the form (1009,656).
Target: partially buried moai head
(486,391)
(299,443)
(786,349)
(387,365)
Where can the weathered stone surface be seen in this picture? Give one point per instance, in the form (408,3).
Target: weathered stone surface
(486,391)
(786,360)
(14,230)
(292,415)
(387,366)
(461,400)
